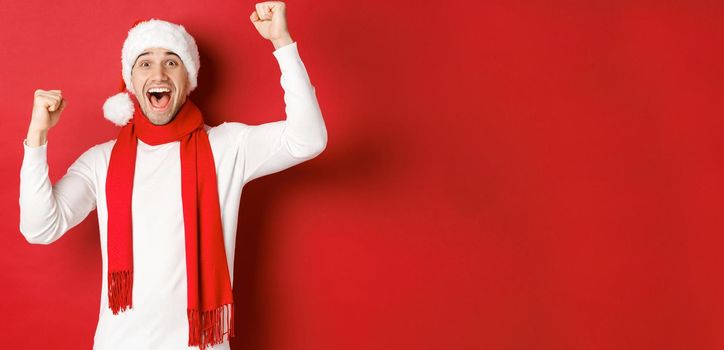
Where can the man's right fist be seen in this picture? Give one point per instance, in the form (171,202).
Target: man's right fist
(47,106)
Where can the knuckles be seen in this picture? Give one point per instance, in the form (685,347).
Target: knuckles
(53,96)
(281,4)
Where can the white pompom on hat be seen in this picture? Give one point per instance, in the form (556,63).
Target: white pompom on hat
(146,34)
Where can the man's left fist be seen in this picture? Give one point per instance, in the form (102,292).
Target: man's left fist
(270,20)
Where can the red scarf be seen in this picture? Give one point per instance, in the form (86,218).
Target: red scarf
(210,301)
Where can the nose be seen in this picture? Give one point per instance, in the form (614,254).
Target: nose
(158,72)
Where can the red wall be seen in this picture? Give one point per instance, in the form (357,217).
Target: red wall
(499,174)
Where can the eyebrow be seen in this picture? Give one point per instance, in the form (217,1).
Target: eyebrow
(148,53)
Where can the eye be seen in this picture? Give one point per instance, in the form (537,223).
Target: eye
(144,64)
(172,63)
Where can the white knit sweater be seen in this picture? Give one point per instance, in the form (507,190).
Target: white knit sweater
(241,153)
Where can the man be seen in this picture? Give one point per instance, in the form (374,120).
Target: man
(167,189)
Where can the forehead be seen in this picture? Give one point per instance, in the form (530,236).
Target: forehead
(157,52)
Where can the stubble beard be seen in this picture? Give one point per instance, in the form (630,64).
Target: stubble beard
(160,118)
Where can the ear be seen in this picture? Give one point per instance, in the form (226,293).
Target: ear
(118,109)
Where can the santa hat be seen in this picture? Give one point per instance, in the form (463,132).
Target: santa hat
(146,34)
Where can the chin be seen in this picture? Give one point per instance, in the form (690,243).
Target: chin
(157,118)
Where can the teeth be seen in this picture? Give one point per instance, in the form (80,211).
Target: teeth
(159,89)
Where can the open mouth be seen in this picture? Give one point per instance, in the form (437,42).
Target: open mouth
(159,97)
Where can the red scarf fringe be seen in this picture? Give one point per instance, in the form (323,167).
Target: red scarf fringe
(209,329)
(120,285)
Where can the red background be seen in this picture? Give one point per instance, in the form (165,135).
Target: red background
(499,174)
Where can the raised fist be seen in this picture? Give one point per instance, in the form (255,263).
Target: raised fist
(47,106)
(270,20)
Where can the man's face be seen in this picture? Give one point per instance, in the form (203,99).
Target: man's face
(160,81)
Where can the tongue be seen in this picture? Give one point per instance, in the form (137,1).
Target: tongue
(160,102)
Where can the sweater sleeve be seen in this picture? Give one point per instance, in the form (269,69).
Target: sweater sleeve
(275,146)
(48,211)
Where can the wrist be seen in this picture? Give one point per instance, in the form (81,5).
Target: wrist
(36,137)
(283,41)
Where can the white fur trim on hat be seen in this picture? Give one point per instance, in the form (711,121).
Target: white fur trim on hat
(118,108)
(161,34)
